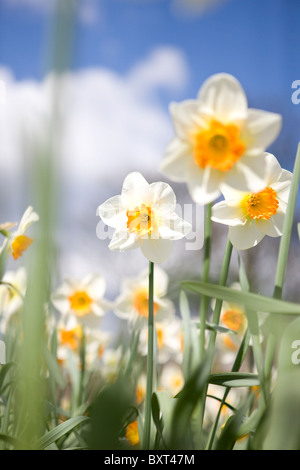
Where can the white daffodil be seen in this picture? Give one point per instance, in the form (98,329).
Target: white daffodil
(68,339)
(234,318)
(218,140)
(12,292)
(17,242)
(171,378)
(81,301)
(144,217)
(169,340)
(96,343)
(251,216)
(2,353)
(113,360)
(132,303)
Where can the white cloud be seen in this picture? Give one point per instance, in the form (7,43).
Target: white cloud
(112,124)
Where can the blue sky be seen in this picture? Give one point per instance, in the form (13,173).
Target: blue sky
(255,40)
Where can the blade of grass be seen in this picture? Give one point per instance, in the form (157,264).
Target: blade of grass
(255,302)
(282,259)
(60,431)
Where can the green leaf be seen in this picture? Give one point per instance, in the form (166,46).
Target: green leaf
(4,369)
(255,302)
(230,431)
(60,431)
(9,440)
(218,328)
(53,367)
(162,411)
(186,403)
(234,379)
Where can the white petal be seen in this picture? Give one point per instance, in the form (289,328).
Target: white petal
(112,212)
(162,194)
(228,213)
(95,285)
(176,160)
(273,227)
(173,227)
(245,236)
(60,302)
(134,189)
(261,129)
(248,174)
(223,97)
(122,240)
(283,185)
(156,250)
(204,185)
(187,118)
(123,306)
(28,218)
(101,307)
(161,281)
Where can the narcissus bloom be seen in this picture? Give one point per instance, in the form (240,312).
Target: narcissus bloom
(132,303)
(132,433)
(17,241)
(169,340)
(143,216)
(81,302)
(12,293)
(251,216)
(234,318)
(171,378)
(218,140)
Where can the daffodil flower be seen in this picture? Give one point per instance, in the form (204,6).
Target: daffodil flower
(132,303)
(171,378)
(218,139)
(251,216)
(169,340)
(17,242)
(81,302)
(144,217)
(12,292)
(132,433)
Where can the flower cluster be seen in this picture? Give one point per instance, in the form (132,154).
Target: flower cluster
(219,151)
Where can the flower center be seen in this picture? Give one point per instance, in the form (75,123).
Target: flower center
(20,244)
(132,433)
(71,338)
(80,303)
(218,147)
(140,220)
(261,205)
(234,319)
(160,336)
(229,344)
(141,303)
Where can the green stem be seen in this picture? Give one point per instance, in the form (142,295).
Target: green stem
(219,302)
(147,422)
(205,277)
(216,317)
(282,259)
(82,370)
(236,366)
